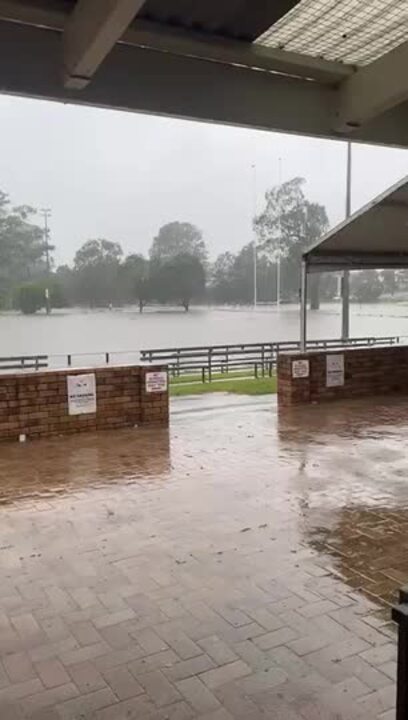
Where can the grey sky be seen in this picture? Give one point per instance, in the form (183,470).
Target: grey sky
(121,176)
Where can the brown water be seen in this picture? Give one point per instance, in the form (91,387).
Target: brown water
(127,331)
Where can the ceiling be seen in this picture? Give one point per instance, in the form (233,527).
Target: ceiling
(243,20)
(328,68)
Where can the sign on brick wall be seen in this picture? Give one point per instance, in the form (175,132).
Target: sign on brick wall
(334,370)
(156,382)
(300,368)
(81,394)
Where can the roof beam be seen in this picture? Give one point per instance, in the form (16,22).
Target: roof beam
(145,33)
(190,43)
(184,87)
(372,90)
(336,262)
(93,28)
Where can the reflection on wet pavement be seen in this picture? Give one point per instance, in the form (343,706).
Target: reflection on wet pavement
(355,467)
(240,562)
(81,464)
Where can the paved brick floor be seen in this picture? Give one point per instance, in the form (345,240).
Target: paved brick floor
(239,567)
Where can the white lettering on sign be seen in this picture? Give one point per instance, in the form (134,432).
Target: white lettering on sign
(156,382)
(300,368)
(334,370)
(81,394)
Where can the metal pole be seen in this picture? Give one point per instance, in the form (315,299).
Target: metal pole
(278,264)
(46,212)
(254,246)
(400,616)
(345,285)
(303,307)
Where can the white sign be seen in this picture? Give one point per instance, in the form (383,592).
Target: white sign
(156,382)
(334,370)
(81,394)
(300,368)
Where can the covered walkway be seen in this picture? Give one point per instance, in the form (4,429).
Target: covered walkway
(317,67)
(374,237)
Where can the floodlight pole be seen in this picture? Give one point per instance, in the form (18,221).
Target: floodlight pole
(345,285)
(278,259)
(254,243)
(303,307)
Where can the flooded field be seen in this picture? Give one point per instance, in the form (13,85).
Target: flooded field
(125,330)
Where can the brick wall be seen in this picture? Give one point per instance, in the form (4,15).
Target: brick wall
(367,372)
(36,404)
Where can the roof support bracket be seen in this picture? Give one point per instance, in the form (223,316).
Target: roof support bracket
(372,90)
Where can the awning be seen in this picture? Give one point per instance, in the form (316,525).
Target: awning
(326,68)
(374,237)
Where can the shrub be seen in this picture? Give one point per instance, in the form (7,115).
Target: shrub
(30,298)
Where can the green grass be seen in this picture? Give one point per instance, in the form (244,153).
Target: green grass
(244,386)
(188,379)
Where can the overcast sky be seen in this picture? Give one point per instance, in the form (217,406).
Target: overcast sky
(121,176)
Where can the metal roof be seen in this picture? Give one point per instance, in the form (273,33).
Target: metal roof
(328,68)
(350,31)
(374,237)
(238,19)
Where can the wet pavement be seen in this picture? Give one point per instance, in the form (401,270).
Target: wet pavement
(239,566)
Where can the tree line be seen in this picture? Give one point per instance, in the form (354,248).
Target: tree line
(177,270)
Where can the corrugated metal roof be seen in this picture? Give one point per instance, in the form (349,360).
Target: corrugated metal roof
(350,31)
(374,237)
(239,19)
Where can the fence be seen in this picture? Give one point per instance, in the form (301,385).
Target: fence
(260,357)
(204,360)
(23,362)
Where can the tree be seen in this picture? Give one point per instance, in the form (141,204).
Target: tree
(389,280)
(21,246)
(221,279)
(288,224)
(96,267)
(232,277)
(179,280)
(366,286)
(64,277)
(30,297)
(178,238)
(57,296)
(95,252)
(135,281)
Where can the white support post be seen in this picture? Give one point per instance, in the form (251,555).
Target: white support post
(303,307)
(345,284)
(345,305)
(254,242)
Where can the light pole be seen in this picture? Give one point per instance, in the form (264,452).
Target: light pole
(46,213)
(278,260)
(345,286)
(254,246)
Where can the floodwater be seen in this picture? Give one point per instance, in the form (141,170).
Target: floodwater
(238,565)
(126,331)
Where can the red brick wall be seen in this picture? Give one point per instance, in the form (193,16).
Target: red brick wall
(367,372)
(36,404)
